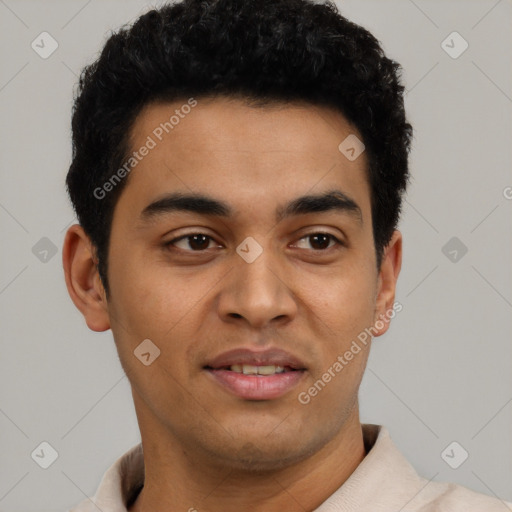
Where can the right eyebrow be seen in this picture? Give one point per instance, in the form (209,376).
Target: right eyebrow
(196,203)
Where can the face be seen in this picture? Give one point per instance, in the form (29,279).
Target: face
(270,268)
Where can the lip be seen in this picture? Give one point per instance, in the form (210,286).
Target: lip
(273,356)
(256,387)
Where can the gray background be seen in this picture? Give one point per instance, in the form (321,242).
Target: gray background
(443,371)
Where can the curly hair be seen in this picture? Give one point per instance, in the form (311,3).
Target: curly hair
(263,51)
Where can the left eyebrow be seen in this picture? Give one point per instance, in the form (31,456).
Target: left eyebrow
(333,200)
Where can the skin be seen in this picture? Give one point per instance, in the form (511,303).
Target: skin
(205,448)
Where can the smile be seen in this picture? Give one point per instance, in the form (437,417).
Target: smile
(249,369)
(256,374)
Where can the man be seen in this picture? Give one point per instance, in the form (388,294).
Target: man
(237,174)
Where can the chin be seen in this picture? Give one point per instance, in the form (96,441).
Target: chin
(264,456)
(250,459)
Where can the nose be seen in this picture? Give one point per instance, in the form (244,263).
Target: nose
(259,293)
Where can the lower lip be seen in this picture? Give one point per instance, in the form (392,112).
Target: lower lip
(256,387)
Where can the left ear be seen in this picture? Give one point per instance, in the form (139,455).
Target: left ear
(386,285)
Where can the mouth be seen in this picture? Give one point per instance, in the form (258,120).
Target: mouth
(252,375)
(251,369)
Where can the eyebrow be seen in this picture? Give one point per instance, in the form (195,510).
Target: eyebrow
(332,200)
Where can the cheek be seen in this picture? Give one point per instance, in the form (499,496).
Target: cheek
(144,291)
(153,301)
(344,313)
(343,298)
(148,309)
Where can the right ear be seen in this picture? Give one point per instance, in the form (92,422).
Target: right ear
(83,280)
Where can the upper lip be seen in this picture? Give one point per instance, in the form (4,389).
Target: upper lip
(268,357)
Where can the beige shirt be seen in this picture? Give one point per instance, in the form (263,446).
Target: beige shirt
(383,482)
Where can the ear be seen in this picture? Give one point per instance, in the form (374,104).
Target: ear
(82,279)
(386,284)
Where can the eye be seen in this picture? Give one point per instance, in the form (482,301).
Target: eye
(320,241)
(199,242)
(194,242)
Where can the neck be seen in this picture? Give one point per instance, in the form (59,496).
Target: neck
(176,479)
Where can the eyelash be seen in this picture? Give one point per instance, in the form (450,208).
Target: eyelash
(338,242)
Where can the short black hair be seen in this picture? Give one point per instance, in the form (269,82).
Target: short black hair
(263,50)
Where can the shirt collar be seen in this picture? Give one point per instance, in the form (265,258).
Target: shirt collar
(383,476)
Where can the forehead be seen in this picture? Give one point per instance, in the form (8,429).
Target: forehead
(230,124)
(252,155)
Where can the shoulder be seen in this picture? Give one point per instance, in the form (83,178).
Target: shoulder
(450,497)
(386,469)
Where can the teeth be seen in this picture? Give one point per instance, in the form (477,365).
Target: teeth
(249,369)
(269,370)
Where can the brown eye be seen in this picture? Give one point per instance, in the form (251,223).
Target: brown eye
(195,242)
(320,241)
